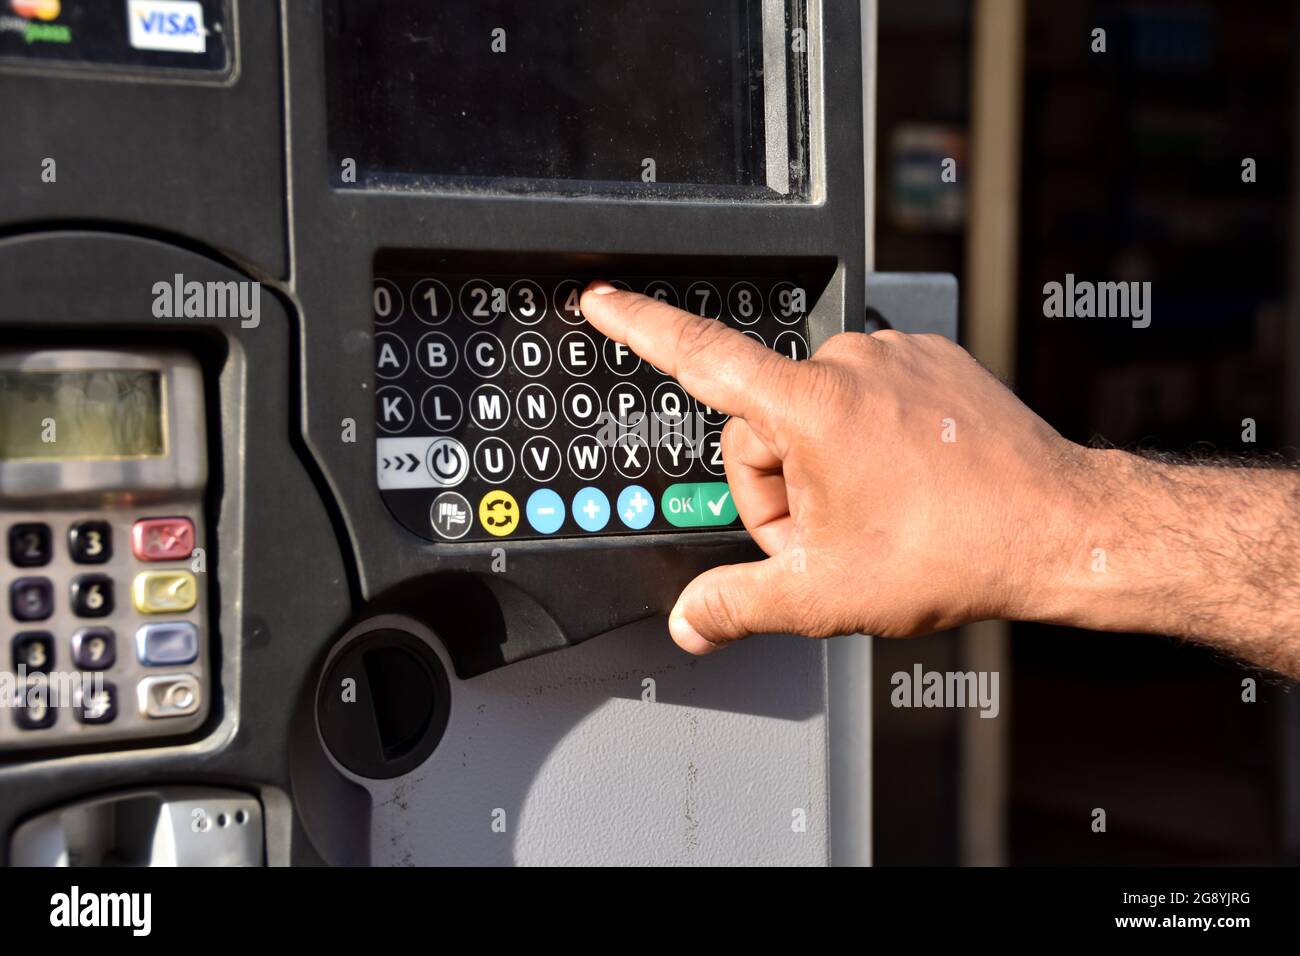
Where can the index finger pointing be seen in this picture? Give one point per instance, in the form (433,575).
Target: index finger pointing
(718,365)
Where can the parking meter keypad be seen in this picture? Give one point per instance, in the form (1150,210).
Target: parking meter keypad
(501,413)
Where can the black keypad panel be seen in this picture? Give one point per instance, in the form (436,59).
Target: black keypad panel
(502,414)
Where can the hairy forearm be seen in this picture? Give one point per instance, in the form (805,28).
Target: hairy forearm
(1206,553)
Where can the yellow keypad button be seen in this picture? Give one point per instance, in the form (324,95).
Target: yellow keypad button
(164,592)
(499,513)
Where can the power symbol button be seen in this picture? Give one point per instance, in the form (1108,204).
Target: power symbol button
(447,462)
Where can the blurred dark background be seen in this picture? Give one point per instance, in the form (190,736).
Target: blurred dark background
(1129,168)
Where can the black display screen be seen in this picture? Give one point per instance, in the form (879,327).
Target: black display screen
(675,97)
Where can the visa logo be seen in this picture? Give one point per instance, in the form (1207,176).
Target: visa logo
(172,25)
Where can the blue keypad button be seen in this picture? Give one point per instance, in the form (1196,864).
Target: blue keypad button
(591,509)
(636,507)
(170,643)
(545,511)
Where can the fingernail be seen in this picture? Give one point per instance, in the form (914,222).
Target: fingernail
(601,287)
(687,637)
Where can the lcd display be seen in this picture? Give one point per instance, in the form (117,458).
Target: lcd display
(671,97)
(75,414)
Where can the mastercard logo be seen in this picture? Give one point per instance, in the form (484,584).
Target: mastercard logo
(36,9)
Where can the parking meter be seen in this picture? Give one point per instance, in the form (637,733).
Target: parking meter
(292,334)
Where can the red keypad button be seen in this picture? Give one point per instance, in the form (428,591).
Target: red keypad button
(162,539)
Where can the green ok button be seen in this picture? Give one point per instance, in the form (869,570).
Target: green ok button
(702,504)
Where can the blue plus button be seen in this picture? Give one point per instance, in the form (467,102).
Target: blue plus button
(545,511)
(636,508)
(591,509)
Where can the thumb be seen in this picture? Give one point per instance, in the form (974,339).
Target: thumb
(729,603)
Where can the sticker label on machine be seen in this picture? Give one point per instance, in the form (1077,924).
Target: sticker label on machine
(123,35)
(501,413)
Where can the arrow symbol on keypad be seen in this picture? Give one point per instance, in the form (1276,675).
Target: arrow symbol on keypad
(415,462)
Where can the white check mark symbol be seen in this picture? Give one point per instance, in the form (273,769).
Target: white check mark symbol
(716,506)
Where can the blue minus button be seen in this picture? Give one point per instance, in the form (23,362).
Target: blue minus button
(545,511)
(171,643)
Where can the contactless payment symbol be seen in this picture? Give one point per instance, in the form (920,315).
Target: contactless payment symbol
(636,508)
(498,512)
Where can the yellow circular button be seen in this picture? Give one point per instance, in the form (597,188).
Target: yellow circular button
(498,512)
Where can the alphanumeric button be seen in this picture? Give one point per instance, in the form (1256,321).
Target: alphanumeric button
(531,353)
(29,544)
(391,355)
(94,649)
(670,403)
(791,345)
(581,404)
(541,458)
(526,301)
(33,651)
(441,408)
(435,353)
(674,454)
(92,595)
(663,292)
(627,404)
(387,301)
(489,407)
(494,460)
(90,542)
(703,299)
(567,300)
(34,711)
(711,453)
(431,301)
(620,359)
(535,405)
(586,457)
(631,455)
(745,303)
(483,302)
(484,354)
(31,599)
(577,353)
(788,302)
(97,703)
(394,410)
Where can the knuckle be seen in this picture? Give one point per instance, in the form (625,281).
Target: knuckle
(889,336)
(826,388)
(696,338)
(843,345)
(723,612)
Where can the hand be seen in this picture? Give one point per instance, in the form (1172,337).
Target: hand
(897,487)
